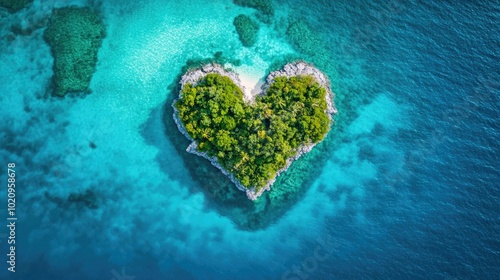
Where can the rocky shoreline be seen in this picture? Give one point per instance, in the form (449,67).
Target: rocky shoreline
(292,69)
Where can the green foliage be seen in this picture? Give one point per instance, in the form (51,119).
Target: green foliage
(253,142)
(74,36)
(247,30)
(14,5)
(80,199)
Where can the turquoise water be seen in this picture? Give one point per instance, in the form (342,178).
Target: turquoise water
(404,186)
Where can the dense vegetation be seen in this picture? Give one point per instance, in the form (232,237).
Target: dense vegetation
(74,36)
(247,30)
(253,142)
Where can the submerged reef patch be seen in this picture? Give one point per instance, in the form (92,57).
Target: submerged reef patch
(229,201)
(302,38)
(14,5)
(247,30)
(255,141)
(74,36)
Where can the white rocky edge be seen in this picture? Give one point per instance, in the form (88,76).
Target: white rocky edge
(193,76)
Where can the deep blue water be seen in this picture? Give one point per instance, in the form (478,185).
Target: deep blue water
(409,182)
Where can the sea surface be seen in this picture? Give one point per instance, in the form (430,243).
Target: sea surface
(405,186)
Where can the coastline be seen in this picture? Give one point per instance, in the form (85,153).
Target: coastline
(291,69)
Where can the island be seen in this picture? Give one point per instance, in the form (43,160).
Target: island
(253,139)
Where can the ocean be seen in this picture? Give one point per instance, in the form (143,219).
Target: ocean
(405,185)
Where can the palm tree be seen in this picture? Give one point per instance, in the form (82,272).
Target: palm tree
(205,133)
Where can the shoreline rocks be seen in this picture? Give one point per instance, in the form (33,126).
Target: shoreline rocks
(292,69)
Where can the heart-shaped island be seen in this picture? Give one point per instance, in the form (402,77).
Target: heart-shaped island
(253,139)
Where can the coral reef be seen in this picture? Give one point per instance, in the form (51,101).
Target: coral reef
(74,36)
(247,30)
(254,154)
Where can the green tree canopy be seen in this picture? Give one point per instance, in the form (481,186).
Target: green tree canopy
(253,142)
